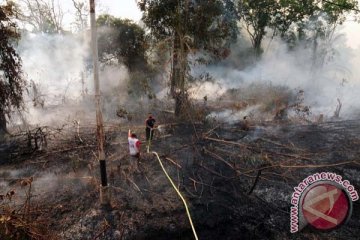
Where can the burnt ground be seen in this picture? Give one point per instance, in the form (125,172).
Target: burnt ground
(214,164)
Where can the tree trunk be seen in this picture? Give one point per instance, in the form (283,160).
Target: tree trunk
(180,100)
(175,71)
(257,46)
(3,129)
(178,71)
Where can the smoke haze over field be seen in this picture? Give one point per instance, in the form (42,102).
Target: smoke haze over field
(323,83)
(58,71)
(54,63)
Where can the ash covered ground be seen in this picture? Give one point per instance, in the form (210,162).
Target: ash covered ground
(237,183)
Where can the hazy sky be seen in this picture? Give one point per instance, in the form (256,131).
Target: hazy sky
(122,8)
(352,31)
(128,9)
(118,8)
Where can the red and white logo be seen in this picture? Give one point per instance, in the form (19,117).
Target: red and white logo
(325,206)
(323,201)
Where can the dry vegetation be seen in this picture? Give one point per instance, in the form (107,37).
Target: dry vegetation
(237,177)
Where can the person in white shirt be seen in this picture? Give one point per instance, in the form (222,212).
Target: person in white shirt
(134,145)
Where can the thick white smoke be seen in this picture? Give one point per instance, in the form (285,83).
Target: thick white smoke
(334,75)
(54,63)
(58,69)
(59,66)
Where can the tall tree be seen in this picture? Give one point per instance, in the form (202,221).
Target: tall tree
(123,40)
(190,26)
(11,81)
(289,17)
(81,14)
(44,16)
(257,15)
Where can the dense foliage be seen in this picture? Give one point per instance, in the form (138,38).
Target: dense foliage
(11,82)
(190,27)
(123,40)
(291,19)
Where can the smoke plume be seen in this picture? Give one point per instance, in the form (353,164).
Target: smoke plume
(325,75)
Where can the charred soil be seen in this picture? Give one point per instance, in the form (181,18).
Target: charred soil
(237,183)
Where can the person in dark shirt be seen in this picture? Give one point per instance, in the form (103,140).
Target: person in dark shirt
(150,123)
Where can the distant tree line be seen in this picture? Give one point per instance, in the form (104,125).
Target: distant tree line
(172,31)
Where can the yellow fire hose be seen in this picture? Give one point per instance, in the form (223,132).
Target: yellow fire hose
(149,141)
(180,195)
(174,186)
